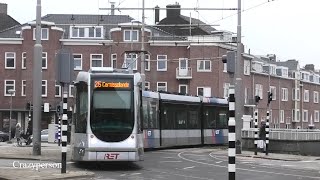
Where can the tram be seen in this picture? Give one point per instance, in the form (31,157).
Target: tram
(107,124)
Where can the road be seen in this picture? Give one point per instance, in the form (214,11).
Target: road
(202,163)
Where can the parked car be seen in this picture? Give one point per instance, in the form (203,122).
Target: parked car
(44,135)
(4,136)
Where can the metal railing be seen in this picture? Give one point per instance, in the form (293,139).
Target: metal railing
(287,134)
(184,73)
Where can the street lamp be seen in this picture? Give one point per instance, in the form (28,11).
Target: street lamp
(11,92)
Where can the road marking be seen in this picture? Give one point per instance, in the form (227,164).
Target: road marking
(135,174)
(169,157)
(123,174)
(219,162)
(287,165)
(169,161)
(189,167)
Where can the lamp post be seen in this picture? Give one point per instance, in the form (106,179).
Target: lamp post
(11,92)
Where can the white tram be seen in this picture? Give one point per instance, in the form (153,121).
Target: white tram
(106,123)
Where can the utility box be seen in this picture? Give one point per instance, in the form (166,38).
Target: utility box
(52,133)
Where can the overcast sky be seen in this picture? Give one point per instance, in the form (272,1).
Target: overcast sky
(287,28)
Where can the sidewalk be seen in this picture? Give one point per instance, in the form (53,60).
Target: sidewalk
(50,154)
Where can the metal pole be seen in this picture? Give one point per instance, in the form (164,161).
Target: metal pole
(10,117)
(256,137)
(142,50)
(64,129)
(267,132)
(232,136)
(37,82)
(59,128)
(238,88)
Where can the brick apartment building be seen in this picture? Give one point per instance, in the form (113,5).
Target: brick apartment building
(188,62)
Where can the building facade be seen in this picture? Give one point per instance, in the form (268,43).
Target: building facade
(175,63)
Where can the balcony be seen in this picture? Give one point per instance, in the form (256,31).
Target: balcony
(249,102)
(183,73)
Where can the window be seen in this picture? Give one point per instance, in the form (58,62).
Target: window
(86,32)
(257,67)
(183,88)
(71,90)
(44,60)
(258,91)
(281,116)
(44,88)
(147,62)
(44,34)
(131,60)
(9,84)
(10,60)
(316,116)
(161,86)
(296,94)
(130,35)
(204,91)
(297,114)
(315,96)
(161,62)
(114,61)
(246,67)
(204,65)
(96,60)
(58,90)
(246,96)
(273,90)
(305,116)
(284,92)
(23,87)
(306,96)
(147,85)
(24,60)
(77,61)
(226,87)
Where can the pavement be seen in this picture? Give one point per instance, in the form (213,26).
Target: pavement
(24,165)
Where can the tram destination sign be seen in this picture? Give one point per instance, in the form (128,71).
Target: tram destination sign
(112,85)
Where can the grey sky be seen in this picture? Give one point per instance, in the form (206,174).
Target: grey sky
(287,28)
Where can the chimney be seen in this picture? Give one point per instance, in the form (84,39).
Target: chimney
(173,10)
(309,67)
(3,8)
(112,8)
(156,14)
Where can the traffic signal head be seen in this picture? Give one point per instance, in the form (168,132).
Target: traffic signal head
(230,61)
(257,99)
(269,97)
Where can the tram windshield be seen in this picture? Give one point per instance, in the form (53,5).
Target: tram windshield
(112,117)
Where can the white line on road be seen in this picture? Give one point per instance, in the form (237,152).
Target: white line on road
(135,174)
(169,161)
(189,167)
(219,162)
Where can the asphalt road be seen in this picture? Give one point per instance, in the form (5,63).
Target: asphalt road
(202,163)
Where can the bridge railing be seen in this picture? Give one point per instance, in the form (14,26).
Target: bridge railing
(287,134)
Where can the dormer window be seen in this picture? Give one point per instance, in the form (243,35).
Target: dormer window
(257,67)
(44,33)
(130,35)
(86,32)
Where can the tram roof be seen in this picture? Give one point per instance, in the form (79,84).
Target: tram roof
(214,100)
(175,97)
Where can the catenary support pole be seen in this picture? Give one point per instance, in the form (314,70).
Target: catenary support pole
(267,132)
(232,135)
(256,137)
(64,129)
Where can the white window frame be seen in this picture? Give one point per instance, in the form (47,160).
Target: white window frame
(46,88)
(226,87)
(246,67)
(44,57)
(245,95)
(208,88)
(284,94)
(306,96)
(134,59)
(78,59)
(114,60)
(183,85)
(166,85)
(13,85)
(259,90)
(147,85)
(315,96)
(42,30)
(91,59)
(297,111)
(204,65)
(71,90)
(305,118)
(281,116)
(86,32)
(147,62)
(23,87)
(24,60)
(130,38)
(296,94)
(14,60)
(316,116)
(162,60)
(55,86)
(273,90)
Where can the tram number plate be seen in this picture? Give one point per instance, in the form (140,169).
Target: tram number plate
(110,156)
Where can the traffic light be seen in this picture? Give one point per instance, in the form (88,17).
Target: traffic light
(58,108)
(230,61)
(257,99)
(269,97)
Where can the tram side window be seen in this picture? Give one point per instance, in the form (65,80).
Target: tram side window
(210,119)
(145,113)
(82,112)
(193,120)
(153,115)
(222,121)
(167,120)
(181,119)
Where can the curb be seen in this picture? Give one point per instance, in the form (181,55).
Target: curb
(271,158)
(60,176)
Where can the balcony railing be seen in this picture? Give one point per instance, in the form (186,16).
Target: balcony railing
(184,73)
